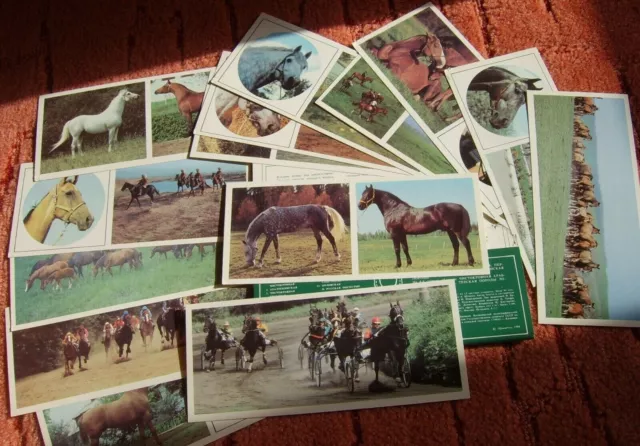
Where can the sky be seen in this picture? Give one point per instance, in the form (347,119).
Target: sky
(195,82)
(93,194)
(410,122)
(417,194)
(173,167)
(291,41)
(621,225)
(68,412)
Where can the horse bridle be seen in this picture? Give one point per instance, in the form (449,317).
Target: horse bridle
(281,64)
(368,202)
(66,218)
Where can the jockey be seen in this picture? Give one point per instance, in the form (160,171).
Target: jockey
(358,316)
(326,326)
(375,325)
(118,324)
(262,330)
(226,331)
(83,333)
(142,184)
(145,311)
(182,177)
(199,177)
(108,328)
(72,339)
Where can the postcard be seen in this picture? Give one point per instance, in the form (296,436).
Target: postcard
(410,55)
(120,124)
(86,358)
(50,288)
(587,208)
(278,65)
(115,418)
(323,355)
(168,203)
(270,173)
(359,243)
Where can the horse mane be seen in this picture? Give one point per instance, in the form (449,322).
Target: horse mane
(250,229)
(391,196)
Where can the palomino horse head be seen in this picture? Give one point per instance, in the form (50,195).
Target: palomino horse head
(368,197)
(166,88)
(288,72)
(250,252)
(396,314)
(127,95)
(69,205)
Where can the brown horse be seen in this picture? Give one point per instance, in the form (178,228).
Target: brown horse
(361,77)
(107,337)
(59,275)
(63,202)
(131,410)
(189,101)
(70,352)
(401,219)
(43,274)
(146,330)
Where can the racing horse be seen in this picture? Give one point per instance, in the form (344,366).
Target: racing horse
(215,341)
(70,353)
(63,202)
(261,65)
(347,342)
(276,220)
(146,330)
(173,323)
(253,341)
(108,332)
(401,219)
(149,190)
(108,120)
(361,77)
(392,340)
(83,350)
(124,336)
(189,101)
(507,93)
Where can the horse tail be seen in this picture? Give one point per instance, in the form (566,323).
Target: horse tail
(337,226)
(63,137)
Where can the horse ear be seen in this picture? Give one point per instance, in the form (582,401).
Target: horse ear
(390,305)
(298,48)
(531,84)
(308,55)
(243,242)
(168,81)
(75,179)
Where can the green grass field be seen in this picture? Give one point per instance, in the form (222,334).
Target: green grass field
(428,253)
(526,186)
(166,107)
(421,149)
(554,130)
(298,252)
(342,102)
(124,150)
(158,277)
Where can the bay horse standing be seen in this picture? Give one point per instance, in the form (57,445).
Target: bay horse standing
(277,220)
(109,120)
(150,190)
(124,336)
(189,101)
(401,219)
(63,202)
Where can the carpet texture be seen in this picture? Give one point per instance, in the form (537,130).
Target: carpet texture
(577,386)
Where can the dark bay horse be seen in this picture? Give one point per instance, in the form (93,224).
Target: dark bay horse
(348,342)
(507,93)
(70,353)
(277,220)
(392,340)
(150,191)
(173,323)
(189,101)
(252,341)
(214,342)
(124,336)
(401,219)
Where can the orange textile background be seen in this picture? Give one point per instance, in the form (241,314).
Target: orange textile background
(569,386)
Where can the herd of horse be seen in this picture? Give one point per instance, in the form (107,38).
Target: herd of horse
(581,232)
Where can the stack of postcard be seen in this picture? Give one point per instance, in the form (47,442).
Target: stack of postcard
(340,222)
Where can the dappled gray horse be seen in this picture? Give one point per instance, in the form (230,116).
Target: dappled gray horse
(507,93)
(261,65)
(277,220)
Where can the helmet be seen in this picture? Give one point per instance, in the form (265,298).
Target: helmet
(376,320)
(258,319)
(125,313)
(145,308)
(356,309)
(226,324)
(144,175)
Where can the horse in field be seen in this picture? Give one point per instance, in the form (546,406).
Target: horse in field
(124,336)
(63,202)
(507,93)
(401,219)
(361,77)
(130,410)
(59,275)
(129,256)
(189,101)
(149,190)
(43,274)
(109,120)
(80,259)
(261,65)
(277,220)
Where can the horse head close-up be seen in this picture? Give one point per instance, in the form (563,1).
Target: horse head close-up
(367,198)
(250,252)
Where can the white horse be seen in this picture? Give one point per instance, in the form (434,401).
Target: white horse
(262,65)
(109,120)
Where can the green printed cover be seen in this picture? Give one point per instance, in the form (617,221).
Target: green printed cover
(493,308)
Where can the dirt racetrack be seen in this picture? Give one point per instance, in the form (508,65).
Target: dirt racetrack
(100,373)
(173,147)
(227,390)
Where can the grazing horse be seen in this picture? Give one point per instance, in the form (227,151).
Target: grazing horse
(277,220)
(507,93)
(401,219)
(215,341)
(43,274)
(59,275)
(70,352)
(261,65)
(63,202)
(173,323)
(130,410)
(146,330)
(253,341)
(189,101)
(149,190)
(109,120)
(392,339)
(80,259)
(124,336)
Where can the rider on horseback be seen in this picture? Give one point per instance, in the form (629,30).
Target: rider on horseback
(70,338)
(226,331)
(199,178)
(262,330)
(83,335)
(376,322)
(144,312)
(107,329)
(182,177)
(142,184)
(358,316)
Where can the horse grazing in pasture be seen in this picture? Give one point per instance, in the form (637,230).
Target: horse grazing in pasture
(574,282)
(173,323)
(124,336)
(129,256)
(63,202)
(253,341)
(401,219)
(265,121)
(80,259)
(43,274)
(59,275)
(164,250)
(392,340)
(261,65)
(277,220)
(109,120)
(507,93)
(582,261)
(130,410)
(149,190)
(581,129)
(189,101)
(215,341)
(361,77)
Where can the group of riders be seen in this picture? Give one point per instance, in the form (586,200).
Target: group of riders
(198,177)
(227,333)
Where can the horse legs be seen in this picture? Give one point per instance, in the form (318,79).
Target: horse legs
(264,250)
(264,355)
(275,244)
(405,248)
(396,248)
(132,197)
(332,240)
(467,244)
(316,234)
(138,201)
(112,137)
(376,366)
(222,356)
(456,247)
